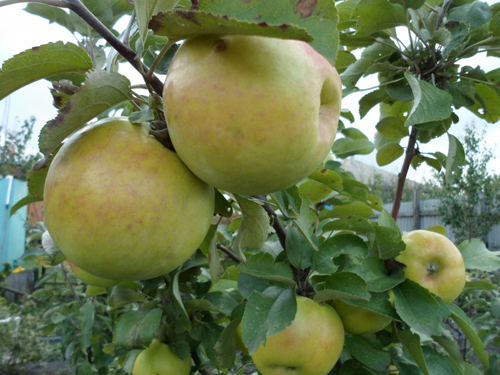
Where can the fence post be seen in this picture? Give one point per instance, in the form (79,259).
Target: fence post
(416,210)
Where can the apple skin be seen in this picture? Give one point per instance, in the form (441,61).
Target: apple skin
(158,359)
(311,345)
(239,339)
(359,321)
(90,279)
(434,262)
(250,114)
(122,206)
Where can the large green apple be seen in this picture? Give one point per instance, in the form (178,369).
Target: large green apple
(434,262)
(90,279)
(250,114)
(311,345)
(358,321)
(158,359)
(122,206)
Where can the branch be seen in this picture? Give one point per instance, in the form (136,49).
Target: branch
(410,153)
(444,9)
(197,362)
(79,8)
(228,252)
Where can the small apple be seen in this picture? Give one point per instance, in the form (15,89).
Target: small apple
(122,206)
(311,345)
(158,359)
(358,321)
(239,339)
(90,279)
(434,262)
(251,114)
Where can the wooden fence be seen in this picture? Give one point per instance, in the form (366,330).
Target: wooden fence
(421,214)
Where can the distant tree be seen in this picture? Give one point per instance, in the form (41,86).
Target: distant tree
(14,159)
(384,189)
(471,203)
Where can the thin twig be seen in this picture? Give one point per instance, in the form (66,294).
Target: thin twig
(197,361)
(442,14)
(162,53)
(73,289)
(410,153)
(79,8)
(228,252)
(278,227)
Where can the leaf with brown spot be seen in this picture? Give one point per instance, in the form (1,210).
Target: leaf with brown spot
(100,92)
(184,24)
(319,18)
(41,62)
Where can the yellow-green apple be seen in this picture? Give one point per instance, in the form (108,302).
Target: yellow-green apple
(434,262)
(251,114)
(90,279)
(158,359)
(358,321)
(239,339)
(122,206)
(311,345)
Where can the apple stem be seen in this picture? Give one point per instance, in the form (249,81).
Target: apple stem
(411,151)
(79,8)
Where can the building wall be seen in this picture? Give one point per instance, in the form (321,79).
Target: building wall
(12,229)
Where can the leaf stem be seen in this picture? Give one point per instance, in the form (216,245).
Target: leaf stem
(162,53)
(229,253)
(410,153)
(79,8)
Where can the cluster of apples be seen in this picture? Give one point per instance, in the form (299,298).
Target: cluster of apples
(247,115)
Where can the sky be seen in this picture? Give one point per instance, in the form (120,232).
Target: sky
(20,31)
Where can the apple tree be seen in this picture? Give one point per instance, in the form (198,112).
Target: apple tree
(256,292)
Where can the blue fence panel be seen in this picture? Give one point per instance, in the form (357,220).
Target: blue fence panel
(12,229)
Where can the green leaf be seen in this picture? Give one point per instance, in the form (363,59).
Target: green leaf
(388,153)
(478,257)
(374,272)
(254,227)
(226,345)
(344,60)
(121,297)
(357,224)
(135,329)
(487,104)
(455,355)
(370,100)
(288,201)
(267,314)
(376,15)
(214,262)
(417,307)
(347,244)
(473,15)
(455,158)
(41,62)
(368,351)
(429,102)
(462,92)
(469,329)
(411,341)
(375,53)
(345,147)
(388,243)
(146,9)
(100,92)
(392,128)
(298,249)
(348,210)
(342,285)
(53,14)
(494,25)
(327,177)
(263,266)
(379,303)
(87,315)
(174,290)
(319,18)
(479,285)
(222,206)
(353,367)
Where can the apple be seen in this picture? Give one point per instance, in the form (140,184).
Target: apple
(311,345)
(251,114)
(121,206)
(239,339)
(358,321)
(90,279)
(434,262)
(158,359)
